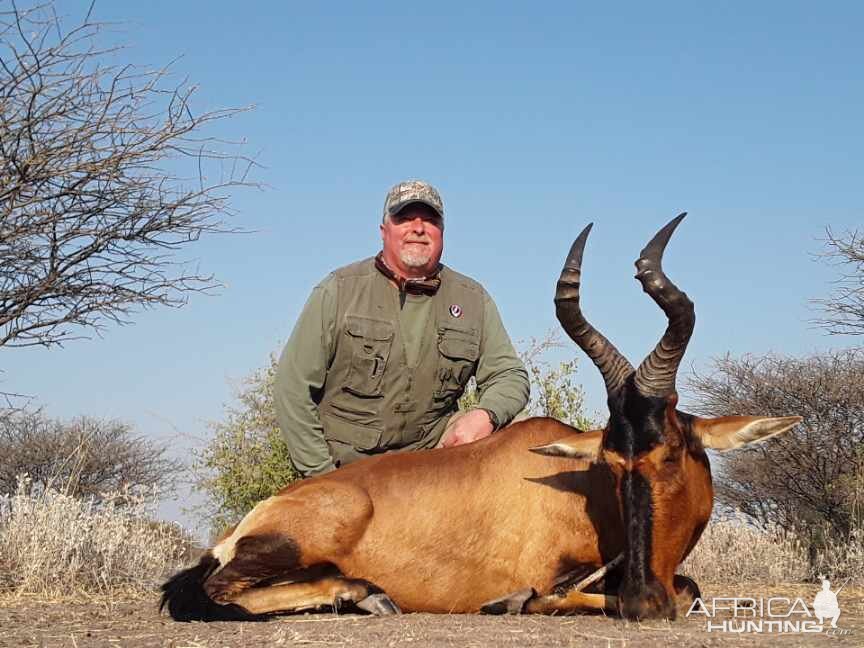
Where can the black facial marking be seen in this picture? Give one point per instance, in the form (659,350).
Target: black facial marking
(638,520)
(635,421)
(637,425)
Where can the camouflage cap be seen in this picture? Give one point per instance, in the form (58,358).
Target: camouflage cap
(412,191)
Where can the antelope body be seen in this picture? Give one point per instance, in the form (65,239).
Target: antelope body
(508,523)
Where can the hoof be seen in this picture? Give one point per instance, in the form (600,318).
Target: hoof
(511,604)
(686,591)
(379,605)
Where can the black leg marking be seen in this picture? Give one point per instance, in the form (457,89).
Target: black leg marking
(256,559)
(184,596)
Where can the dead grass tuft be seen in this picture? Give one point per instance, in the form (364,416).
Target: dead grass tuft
(733,551)
(53,545)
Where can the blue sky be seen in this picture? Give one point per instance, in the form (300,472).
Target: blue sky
(533,119)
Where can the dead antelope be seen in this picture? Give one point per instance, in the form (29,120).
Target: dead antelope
(490,526)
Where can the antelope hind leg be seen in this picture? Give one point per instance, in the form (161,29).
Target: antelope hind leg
(283,535)
(294,597)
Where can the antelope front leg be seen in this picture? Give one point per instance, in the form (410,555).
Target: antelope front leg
(569,601)
(574,599)
(572,602)
(686,591)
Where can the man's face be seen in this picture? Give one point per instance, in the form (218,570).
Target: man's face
(413,240)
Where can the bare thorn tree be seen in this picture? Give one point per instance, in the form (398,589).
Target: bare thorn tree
(94,202)
(85,457)
(12,404)
(809,477)
(844,309)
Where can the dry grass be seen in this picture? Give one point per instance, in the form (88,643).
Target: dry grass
(733,551)
(53,545)
(730,551)
(844,558)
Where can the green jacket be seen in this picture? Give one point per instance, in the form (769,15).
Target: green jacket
(363,373)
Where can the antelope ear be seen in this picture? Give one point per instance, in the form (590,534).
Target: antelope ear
(585,446)
(730,432)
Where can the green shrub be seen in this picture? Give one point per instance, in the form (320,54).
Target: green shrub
(554,391)
(247,459)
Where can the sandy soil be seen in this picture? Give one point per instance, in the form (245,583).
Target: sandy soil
(137,624)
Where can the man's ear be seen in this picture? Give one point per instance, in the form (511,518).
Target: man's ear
(730,432)
(585,446)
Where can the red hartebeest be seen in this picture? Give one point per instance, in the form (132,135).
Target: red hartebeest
(490,526)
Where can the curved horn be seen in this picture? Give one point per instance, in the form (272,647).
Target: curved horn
(614,366)
(656,375)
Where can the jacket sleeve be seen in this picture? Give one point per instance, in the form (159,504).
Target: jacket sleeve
(299,382)
(502,381)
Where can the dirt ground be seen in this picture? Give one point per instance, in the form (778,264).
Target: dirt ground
(137,624)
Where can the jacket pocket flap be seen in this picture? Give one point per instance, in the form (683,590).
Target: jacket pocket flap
(458,344)
(362,437)
(368,328)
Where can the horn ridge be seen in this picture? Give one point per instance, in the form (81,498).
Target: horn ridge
(656,375)
(613,366)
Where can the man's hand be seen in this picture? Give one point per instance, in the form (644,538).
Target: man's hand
(469,427)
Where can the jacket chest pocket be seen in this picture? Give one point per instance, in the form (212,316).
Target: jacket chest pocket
(458,351)
(370,342)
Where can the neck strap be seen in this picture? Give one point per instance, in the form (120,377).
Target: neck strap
(420,286)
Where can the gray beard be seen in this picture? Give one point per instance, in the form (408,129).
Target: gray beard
(414,259)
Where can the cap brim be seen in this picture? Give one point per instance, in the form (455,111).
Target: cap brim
(395,209)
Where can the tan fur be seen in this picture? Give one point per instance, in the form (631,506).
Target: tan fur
(447,530)
(681,509)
